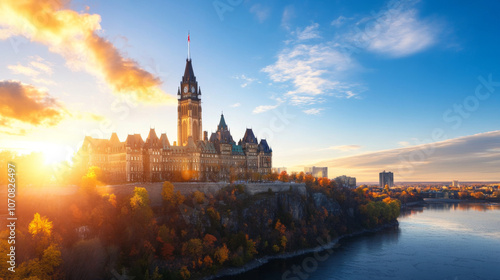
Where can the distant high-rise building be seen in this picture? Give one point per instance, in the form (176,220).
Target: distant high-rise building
(454,183)
(279,169)
(316,171)
(386,178)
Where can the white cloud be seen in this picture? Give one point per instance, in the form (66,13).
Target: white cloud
(313,111)
(35,67)
(23,70)
(44,81)
(246,80)
(345,148)
(350,94)
(42,65)
(261,12)
(288,14)
(264,108)
(339,21)
(235,105)
(299,100)
(313,70)
(310,32)
(396,31)
(4,34)
(404,143)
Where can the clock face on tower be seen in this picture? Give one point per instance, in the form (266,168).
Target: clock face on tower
(192,89)
(185,89)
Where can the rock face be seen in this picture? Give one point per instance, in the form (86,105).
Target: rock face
(320,200)
(258,211)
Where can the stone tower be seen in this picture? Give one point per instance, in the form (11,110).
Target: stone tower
(189,106)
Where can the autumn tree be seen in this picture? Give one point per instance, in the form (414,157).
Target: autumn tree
(283,177)
(184,272)
(194,248)
(89,182)
(40,229)
(323,182)
(141,220)
(478,195)
(140,203)
(222,254)
(272,176)
(43,268)
(170,197)
(309,179)
(208,241)
(40,226)
(207,261)
(300,177)
(463,195)
(199,197)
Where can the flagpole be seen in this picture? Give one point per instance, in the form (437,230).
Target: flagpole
(189,47)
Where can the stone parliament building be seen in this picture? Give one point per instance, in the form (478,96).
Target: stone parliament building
(192,158)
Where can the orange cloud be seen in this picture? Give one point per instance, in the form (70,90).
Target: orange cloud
(74,36)
(27,104)
(23,106)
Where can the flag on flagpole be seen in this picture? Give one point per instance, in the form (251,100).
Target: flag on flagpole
(189,47)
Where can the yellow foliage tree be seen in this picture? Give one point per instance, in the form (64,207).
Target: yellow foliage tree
(222,254)
(40,226)
(185,274)
(199,197)
(171,197)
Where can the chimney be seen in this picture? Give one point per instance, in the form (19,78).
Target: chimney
(205,135)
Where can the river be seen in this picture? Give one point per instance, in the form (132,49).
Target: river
(438,241)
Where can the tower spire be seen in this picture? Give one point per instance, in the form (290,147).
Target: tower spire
(189,47)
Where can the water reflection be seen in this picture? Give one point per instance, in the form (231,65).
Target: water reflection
(463,206)
(456,206)
(435,241)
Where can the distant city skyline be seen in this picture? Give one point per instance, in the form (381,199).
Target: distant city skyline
(358,87)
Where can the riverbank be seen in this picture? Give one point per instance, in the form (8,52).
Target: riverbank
(263,260)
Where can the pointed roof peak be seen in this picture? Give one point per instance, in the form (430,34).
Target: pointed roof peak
(222,123)
(188,72)
(114,138)
(152,134)
(249,137)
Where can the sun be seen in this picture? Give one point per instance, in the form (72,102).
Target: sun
(53,154)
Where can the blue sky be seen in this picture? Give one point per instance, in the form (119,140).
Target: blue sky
(321,80)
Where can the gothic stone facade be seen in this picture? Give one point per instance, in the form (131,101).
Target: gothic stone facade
(192,157)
